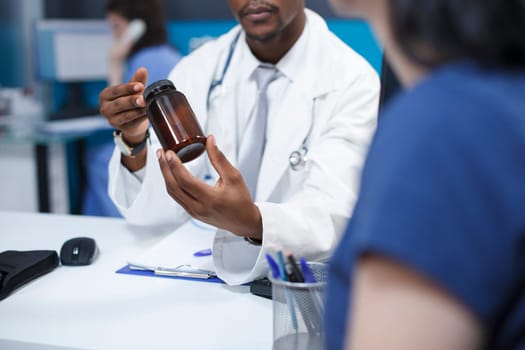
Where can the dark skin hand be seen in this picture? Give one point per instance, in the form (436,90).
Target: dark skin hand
(227,205)
(124,107)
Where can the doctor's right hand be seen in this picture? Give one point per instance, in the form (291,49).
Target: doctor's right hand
(123,106)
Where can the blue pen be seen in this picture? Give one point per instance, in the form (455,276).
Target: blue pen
(282,265)
(309,277)
(273,266)
(204,252)
(307,272)
(289,298)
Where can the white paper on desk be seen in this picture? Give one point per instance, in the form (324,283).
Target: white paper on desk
(175,251)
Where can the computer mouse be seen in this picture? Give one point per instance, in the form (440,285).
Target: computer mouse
(78,251)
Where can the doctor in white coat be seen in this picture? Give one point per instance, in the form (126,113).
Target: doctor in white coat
(322,114)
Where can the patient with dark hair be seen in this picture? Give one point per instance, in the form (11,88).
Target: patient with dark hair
(434,254)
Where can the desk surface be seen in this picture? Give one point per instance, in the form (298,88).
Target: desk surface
(92,307)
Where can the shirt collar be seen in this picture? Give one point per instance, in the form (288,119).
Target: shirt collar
(289,65)
(248,61)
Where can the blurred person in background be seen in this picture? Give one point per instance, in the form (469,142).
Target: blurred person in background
(140,40)
(434,255)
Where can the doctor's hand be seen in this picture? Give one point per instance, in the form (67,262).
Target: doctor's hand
(227,205)
(124,107)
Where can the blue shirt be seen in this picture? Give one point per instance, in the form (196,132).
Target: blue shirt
(443,192)
(159,60)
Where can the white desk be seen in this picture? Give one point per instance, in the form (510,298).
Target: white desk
(92,307)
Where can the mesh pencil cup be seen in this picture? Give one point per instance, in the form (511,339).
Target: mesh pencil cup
(298,310)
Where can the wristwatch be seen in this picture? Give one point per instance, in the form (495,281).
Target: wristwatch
(129,150)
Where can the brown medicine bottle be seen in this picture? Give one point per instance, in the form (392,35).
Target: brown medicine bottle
(173,120)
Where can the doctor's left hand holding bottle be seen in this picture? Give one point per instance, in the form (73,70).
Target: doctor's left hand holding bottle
(227,205)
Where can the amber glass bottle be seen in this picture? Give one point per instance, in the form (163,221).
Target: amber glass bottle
(173,120)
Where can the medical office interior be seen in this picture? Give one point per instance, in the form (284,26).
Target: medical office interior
(53,65)
(207,255)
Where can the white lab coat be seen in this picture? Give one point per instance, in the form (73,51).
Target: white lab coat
(333,105)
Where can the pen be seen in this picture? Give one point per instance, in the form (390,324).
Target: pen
(307,272)
(274,267)
(282,265)
(203,252)
(201,275)
(295,274)
(288,295)
(310,278)
(303,300)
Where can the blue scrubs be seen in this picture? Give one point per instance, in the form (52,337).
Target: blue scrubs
(443,192)
(159,60)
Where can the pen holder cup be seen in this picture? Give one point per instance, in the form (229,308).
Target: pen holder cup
(298,310)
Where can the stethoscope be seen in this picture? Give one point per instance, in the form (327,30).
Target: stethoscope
(298,158)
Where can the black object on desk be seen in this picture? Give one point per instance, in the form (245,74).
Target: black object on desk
(262,287)
(20,267)
(79,251)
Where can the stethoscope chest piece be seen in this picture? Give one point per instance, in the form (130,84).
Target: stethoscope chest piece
(297,159)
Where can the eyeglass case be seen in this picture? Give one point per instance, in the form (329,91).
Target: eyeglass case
(20,267)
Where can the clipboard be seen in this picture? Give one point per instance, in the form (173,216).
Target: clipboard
(174,256)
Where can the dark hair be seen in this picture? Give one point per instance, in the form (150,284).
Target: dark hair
(151,12)
(432,32)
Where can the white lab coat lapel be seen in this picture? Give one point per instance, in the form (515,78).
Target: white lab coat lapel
(222,121)
(221,106)
(294,115)
(297,111)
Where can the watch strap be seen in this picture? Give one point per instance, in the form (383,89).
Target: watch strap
(134,149)
(253,241)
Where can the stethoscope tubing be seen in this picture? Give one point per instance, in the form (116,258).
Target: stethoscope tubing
(298,158)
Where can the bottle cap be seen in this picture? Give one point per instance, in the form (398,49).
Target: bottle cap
(157,87)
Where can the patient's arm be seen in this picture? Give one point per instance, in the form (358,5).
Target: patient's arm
(393,307)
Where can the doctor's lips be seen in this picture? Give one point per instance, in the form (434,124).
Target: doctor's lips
(258,12)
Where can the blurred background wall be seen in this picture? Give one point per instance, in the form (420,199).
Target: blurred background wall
(175,9)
